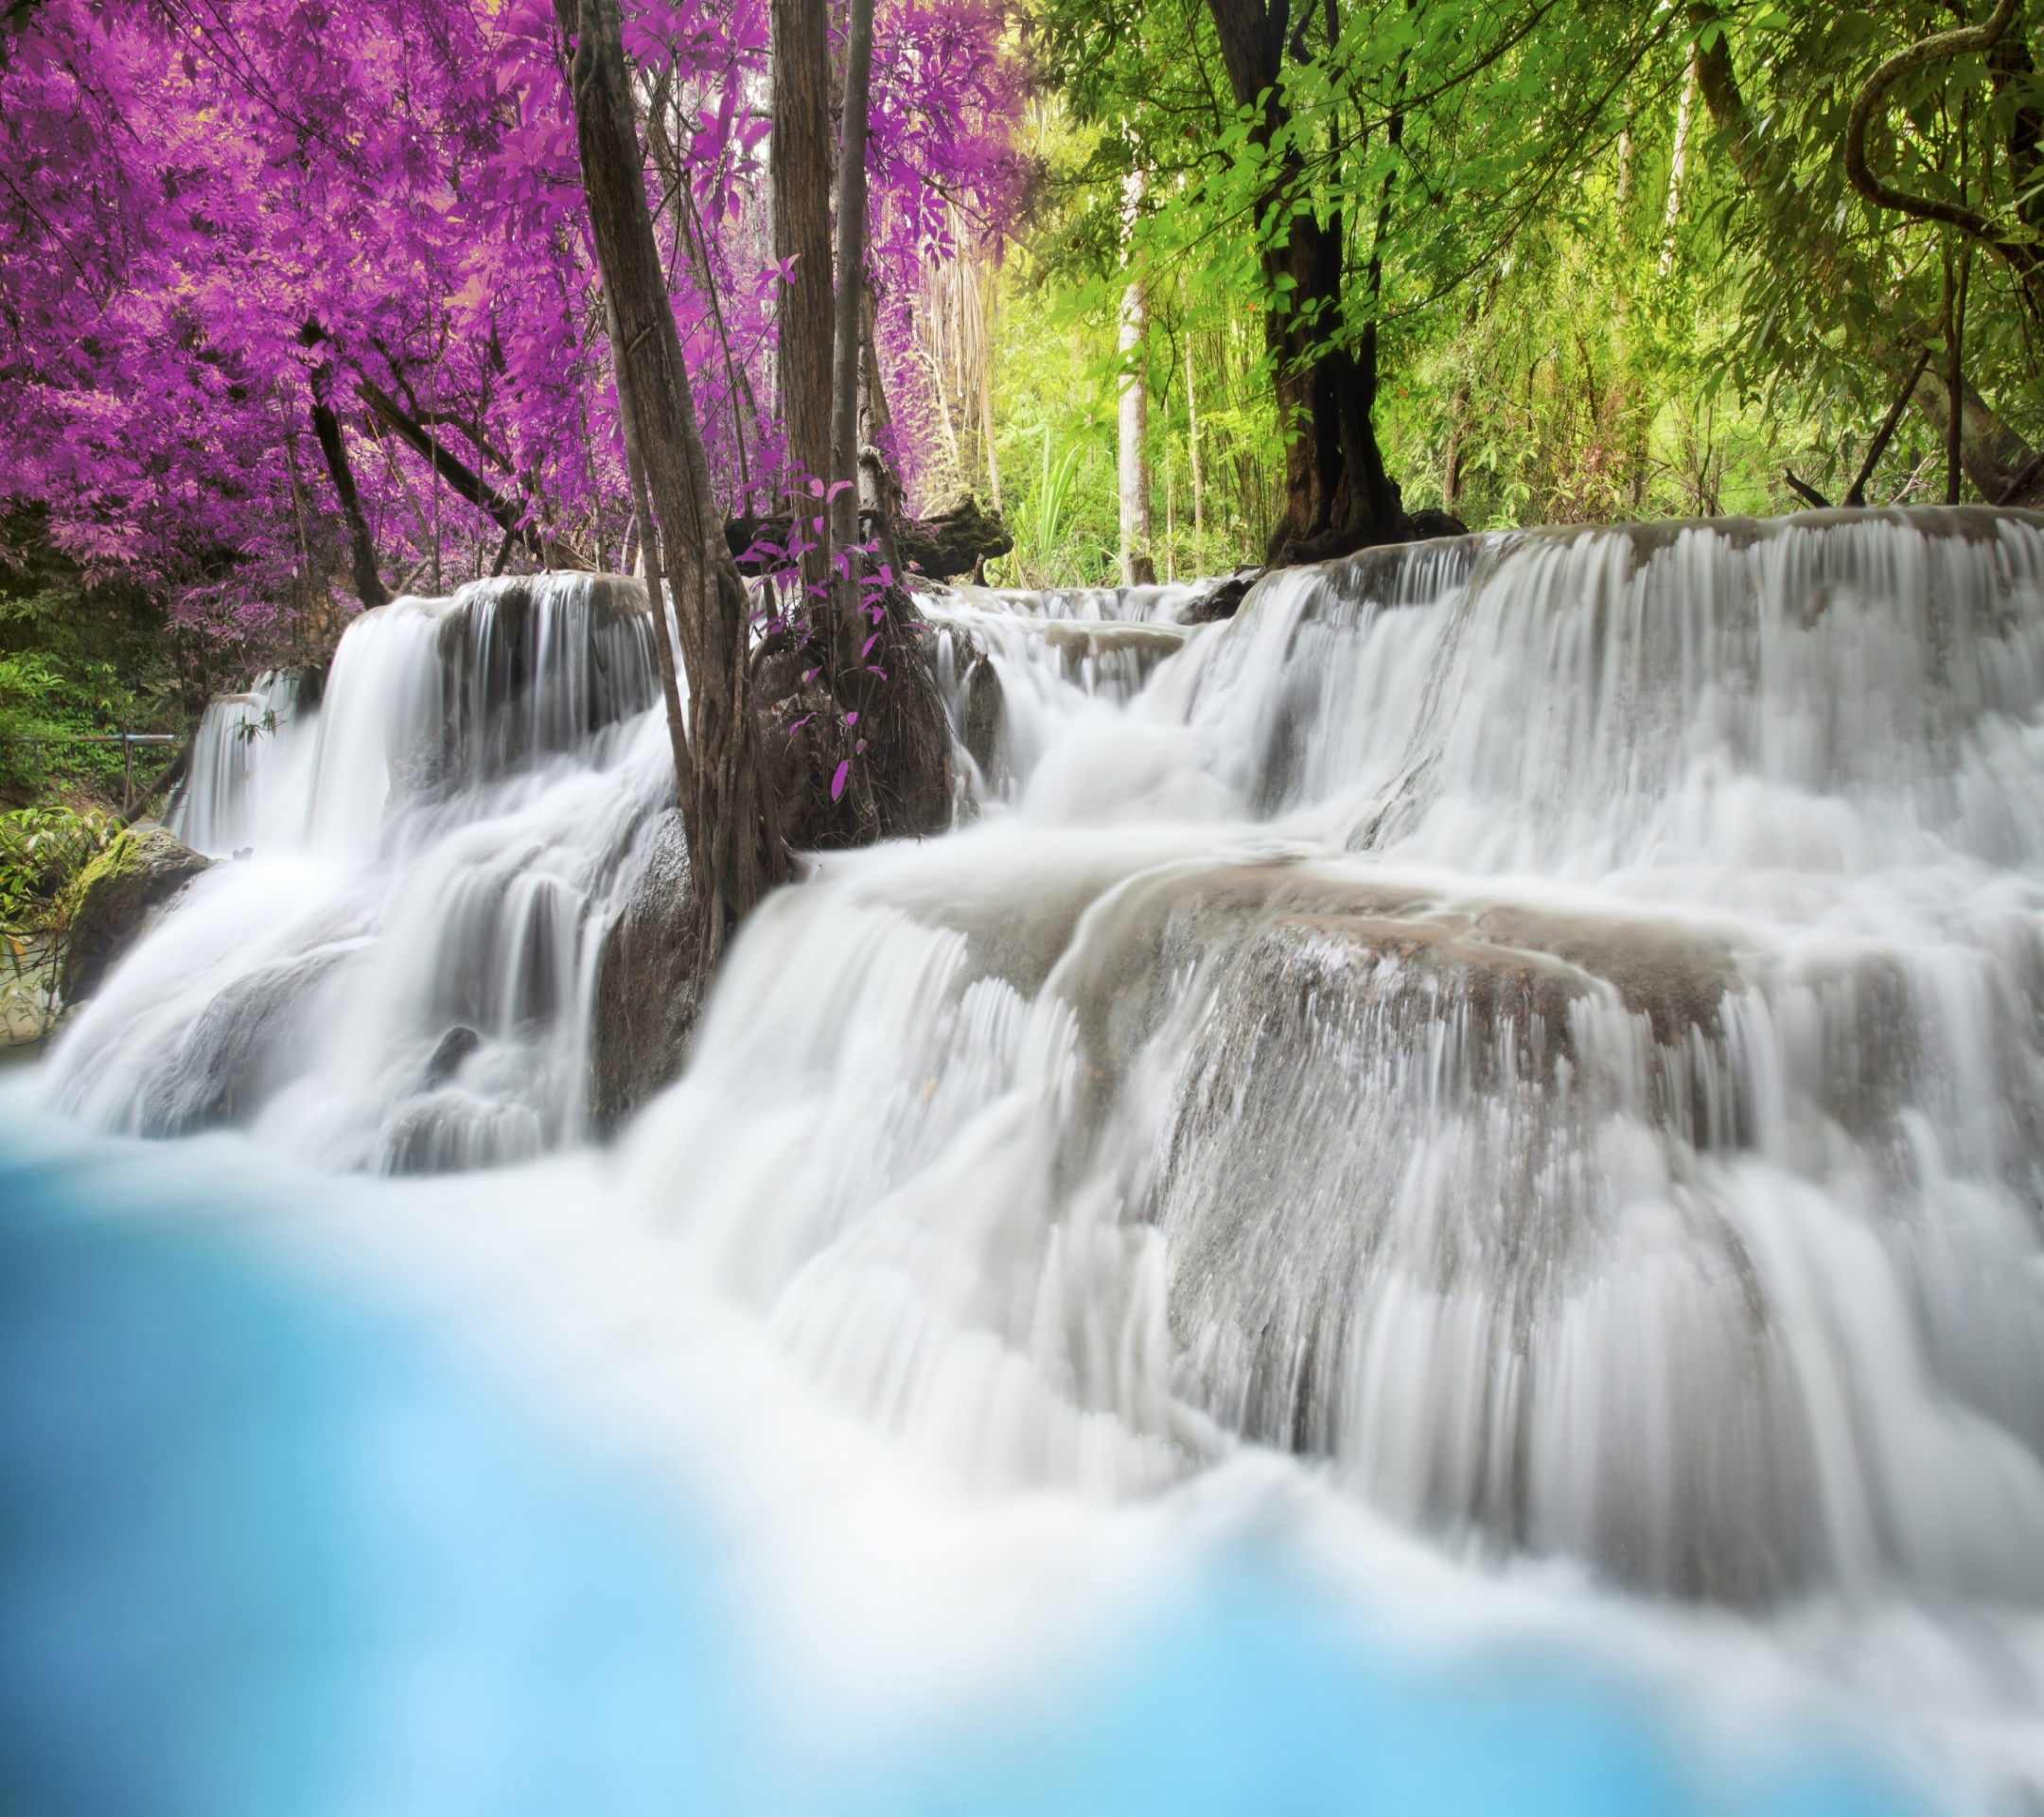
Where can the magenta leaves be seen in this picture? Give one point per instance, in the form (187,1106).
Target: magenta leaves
(188,183)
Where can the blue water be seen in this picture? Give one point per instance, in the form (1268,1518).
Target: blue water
(268,1549)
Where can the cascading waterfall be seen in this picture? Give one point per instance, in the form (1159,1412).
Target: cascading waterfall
(245,754)
(1549,1025)
(399,978)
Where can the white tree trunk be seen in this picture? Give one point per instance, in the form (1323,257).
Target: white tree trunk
(1137,569)
(1685,113)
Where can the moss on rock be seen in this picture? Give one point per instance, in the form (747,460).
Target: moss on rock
(111,901)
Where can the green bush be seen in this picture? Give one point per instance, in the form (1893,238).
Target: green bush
(42,851)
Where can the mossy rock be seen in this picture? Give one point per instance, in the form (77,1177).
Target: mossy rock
(113,898)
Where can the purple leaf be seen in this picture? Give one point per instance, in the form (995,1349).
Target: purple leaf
(837,782)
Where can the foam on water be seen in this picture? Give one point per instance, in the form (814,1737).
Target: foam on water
(1544,1031)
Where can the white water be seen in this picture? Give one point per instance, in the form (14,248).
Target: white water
(429,850)
(1548,1026)
(246,779)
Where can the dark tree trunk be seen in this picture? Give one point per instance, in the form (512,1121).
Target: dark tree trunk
(326,427)
(1337,496)
(734,841)
(361,546)
(800,152)
(848,340)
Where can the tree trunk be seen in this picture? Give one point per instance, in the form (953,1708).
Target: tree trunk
(847,343)
(362,545)
(879,487)
(1991,454)
(1678,160)
(734,840)
(1138,567)
(1337,496)
(799,154)
(1192,412)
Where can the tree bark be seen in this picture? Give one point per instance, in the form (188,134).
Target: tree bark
(1138,568)
(1191,410)
(1337,496)
(733,839)
(1992,455)
(369,586)
(1956,272)
(847,343)
(799,155)
(1678,160)
(879,487)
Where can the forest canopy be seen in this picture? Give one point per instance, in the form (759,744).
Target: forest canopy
(299,307)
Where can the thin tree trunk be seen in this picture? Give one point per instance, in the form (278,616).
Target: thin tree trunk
(361,546)
(1685,113)
(851,281)
(1138,568)
(1955,303)
(733,836)
(879,483)
(659,595)
(1191,410)
(986,404)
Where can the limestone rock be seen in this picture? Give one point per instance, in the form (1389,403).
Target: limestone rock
(114,897)
(649,983)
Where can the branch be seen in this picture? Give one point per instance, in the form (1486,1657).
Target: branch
(504,512)
(1871,100)
(1808,494)
(1878,446)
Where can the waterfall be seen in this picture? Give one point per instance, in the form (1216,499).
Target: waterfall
(1548,1027)
(244,755)
(401,976)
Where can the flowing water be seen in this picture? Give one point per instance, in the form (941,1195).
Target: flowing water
(1529,1047)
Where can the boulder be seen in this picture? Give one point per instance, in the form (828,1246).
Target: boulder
(114,898)
(1223,598)
(649,985)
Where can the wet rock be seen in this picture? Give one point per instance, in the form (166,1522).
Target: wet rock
(984,705)
(456,1045)
(451,1132)
(114,898)
(1077,638)
(1224,599)
(648,986)
(1429,523)
(241,1051)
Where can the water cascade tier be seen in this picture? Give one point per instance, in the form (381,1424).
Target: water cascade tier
(1548,1027)
(402,973)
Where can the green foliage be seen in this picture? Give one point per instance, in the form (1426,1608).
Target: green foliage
(1566,328)
(78,658)
(43,851)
